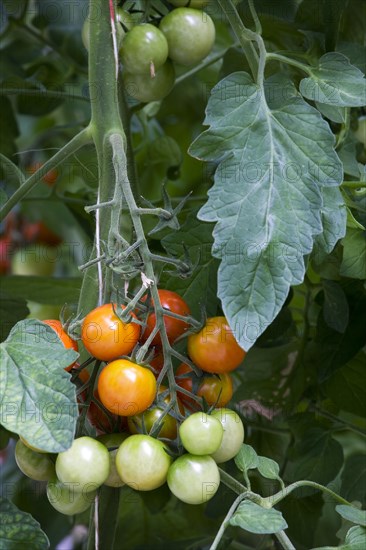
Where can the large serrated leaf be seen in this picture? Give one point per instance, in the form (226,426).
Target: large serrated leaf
(255,519)
(335,82)
(334,220)
(18,530)
(354,254)
(38,400)
(276,153)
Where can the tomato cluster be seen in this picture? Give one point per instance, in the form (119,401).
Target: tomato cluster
(139,425)
(185,36)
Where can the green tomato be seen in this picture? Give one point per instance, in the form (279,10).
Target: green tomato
(190,35)
(85,465)
(144,88)
(233,437)
(194,479)
(198,4)
(42,311)
(144,49)
(142,462)
(201,434)
(34,465)
(68,501)
(36,259)
(111,441)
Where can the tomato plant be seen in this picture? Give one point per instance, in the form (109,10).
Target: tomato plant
(209,242)
(190,34)
(194,479)
(142,462)
(144,49)
(201,434)
(174,327)
(233,435)
(85,465)
(35,465)
(105,336)
(148,418)
(126,388)
(215,389)
(214,348)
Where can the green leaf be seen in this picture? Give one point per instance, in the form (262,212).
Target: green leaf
(246,459)
(352,222)
(335,308)
(346,387)
(268,468)
(334,219)
(352,514)
(255,519)
(315,456)
(10,171)
(335,82)
(200,289)
(335,114)
(12,310)
(44,290)
(354,479)
(18,530)
(303,515)
(356,537)
(38,400)
(266,198)
(354,254)
(8,121)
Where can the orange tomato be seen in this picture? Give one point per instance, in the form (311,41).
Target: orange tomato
(105,336)
(126,388)
(217,390)
(214,348)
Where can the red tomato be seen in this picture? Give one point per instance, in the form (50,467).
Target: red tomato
(216,390)
(5,244)
(214,348)
(174,327)
(49,177)
(126,388)
(68,342)
(105,336)
(38,232)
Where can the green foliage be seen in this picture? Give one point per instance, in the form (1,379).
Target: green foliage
(255,519)
(38,401)
(19,530)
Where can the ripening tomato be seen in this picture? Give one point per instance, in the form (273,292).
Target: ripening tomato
(174,327)
(148,418)
(215,389)
(5,245)
(38,232)
(126,388)
(49,177)
(105,336)
(233,437)
(214,348)
(68,342)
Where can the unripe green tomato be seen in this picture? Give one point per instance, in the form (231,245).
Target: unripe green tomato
(31,447)
(111,441)
(144,88)
(197,4)
(36,259)
(66,500)
(34,465)
(194,479)
(233,437)
(85,464)
(144,49)
(190,35)
(42,311)
(142,462)
(201,434)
